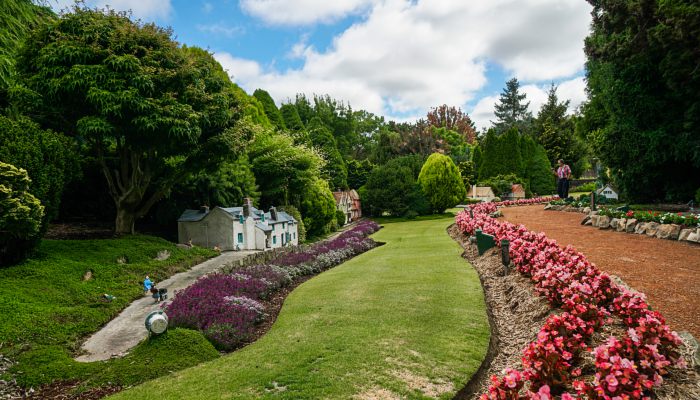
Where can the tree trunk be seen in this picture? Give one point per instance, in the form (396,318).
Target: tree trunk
(124,224)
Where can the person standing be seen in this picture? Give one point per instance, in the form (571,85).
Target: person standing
(563,177)
(147,284)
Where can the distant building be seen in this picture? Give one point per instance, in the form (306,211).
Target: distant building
(349,203)
(516,192)
(483,193)
(238,228)
(608,191)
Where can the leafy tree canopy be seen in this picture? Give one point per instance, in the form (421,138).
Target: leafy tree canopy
(271,111)
(151,111)
(454,119)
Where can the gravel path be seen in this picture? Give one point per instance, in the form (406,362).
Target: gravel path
(126,330)
(667,271)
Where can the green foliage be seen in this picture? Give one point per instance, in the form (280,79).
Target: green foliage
(697,196)
(152,112)
(358,172)
(503,184)
(294,125)
(271,110)
(339,218)
(501,154)
(467,172)
(586,187)
(511,110)
(252,107)
(644,87)
(441,183)
(294,212)
(317,207)
(48,157)
(17,19)
(20,215)
(335,170)
(226,186)
(392,188)
(282,169)
(537,171)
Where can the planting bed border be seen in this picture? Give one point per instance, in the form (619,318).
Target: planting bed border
(631,225)
(680,383)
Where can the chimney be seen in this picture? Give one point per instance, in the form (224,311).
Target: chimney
(247,207)
(273,213)
(204,209)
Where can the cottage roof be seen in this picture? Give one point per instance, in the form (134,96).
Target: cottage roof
(338,196)
(517,188)
(263,227)
(607,186)
(235,212)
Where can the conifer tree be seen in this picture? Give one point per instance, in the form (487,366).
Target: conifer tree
(271,110)
(511,110)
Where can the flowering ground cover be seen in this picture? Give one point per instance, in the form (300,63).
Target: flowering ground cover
(404,320)
(227,307)
(626,367)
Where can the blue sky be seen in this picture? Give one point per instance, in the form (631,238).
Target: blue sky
(395,58)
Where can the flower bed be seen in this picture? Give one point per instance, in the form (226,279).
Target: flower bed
(625,368)
(227,308)
(688,220)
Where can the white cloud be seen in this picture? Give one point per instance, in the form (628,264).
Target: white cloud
(405,56)
(143,9)
(303,12)
(221,29)
(573,90)
(207,7)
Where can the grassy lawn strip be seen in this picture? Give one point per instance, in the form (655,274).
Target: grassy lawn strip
(47,309)
(407,317)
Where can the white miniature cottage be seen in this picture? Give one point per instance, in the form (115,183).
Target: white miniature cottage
(483,193)
(238,228)
(609,192)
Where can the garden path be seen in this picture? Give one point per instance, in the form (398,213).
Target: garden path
(126,330)
(667,271)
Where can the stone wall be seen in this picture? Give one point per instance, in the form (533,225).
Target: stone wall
(652,229)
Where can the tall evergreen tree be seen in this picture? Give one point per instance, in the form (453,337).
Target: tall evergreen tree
(271,110)
(294,125)
(552,110)
(335,170)
(511,110)
(501,155)
(642,71)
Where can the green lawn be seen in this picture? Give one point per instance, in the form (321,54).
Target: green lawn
(47,308)
(407,317)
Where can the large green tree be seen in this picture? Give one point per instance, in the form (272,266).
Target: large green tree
(642,73)
(393,188)
(150,111)
(317,207)
(454,119)
(441,183)
(511,110)
(501,154)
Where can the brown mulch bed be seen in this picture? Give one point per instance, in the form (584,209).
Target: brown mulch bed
(80,231)
(516,313)
(667,271)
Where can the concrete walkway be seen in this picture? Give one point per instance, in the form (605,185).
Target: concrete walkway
(126,330)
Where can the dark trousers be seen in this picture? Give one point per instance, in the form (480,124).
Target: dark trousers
(563,188)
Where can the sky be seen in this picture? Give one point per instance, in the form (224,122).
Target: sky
(395,58)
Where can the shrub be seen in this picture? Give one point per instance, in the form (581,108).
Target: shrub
(294,212)
(20,215)
(503,184)
(392,188)
(340,218)
(586,187)
(697,197)
(441,183)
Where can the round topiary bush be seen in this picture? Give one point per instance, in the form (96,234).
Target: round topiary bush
(340,218)
(20,215)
